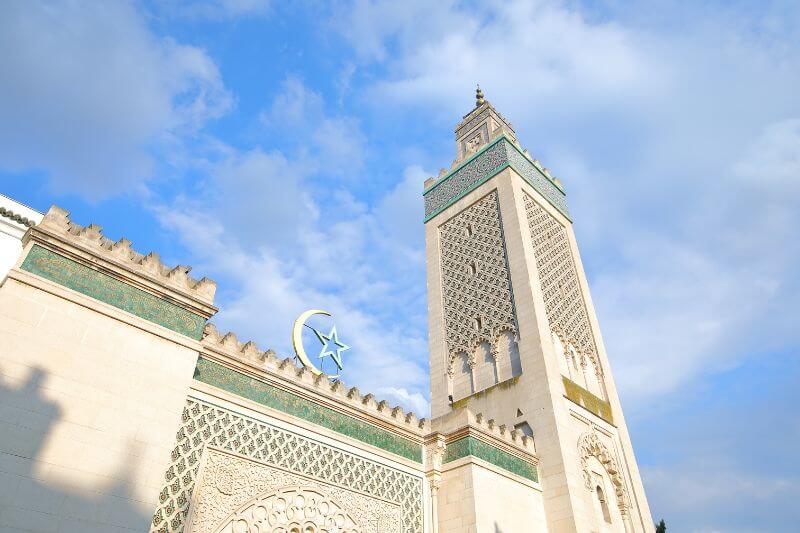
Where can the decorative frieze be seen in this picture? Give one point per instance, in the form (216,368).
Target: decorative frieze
(464,433)
(261,392)
(57,222)
(286,370)
(90,282)
(499,154)
(475,447)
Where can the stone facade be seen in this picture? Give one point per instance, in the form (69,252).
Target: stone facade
(564,393)
(123,409)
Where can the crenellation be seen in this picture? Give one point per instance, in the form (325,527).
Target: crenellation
(266,361)
(56,221)
(464,418)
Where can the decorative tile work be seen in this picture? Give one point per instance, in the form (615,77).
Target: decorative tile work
(470,445)
(537,179)
(586,399)
(204,424)
(492,159)
(253,389)
(487,162)
(475,278)
(85,280)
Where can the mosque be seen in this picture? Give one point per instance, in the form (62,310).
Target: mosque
(122,408)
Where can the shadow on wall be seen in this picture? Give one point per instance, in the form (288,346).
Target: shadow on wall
(33,496)
(497,528)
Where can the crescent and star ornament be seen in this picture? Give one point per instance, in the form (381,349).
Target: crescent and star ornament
(331,345)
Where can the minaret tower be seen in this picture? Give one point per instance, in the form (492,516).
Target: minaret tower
(513,332)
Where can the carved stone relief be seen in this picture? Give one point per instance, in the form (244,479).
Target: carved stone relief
(563,298)
(239,495)
(590,445)
(291,460)
(477,296)
(291,510)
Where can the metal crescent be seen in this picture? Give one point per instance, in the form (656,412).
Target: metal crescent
(297,338)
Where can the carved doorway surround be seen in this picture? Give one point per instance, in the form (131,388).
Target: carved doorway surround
(290,510)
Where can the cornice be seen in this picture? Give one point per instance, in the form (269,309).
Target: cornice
(87,244)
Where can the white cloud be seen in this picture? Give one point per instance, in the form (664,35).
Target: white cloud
(526,52)
(660,146)
(334,144)
(89,92)
(283,234)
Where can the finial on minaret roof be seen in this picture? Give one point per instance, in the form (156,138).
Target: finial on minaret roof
(479,97)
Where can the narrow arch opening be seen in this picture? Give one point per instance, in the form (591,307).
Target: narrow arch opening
(601,497)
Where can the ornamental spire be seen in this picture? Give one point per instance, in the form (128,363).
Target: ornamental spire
(479,97)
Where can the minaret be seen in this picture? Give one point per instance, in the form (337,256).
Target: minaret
(512,330)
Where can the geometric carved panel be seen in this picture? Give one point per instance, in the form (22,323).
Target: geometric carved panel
(563,299)
(204,424)
(476,286)
(236,494)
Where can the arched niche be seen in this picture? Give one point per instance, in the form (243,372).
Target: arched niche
(290,510)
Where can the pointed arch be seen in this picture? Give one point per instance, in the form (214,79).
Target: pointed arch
(590,445)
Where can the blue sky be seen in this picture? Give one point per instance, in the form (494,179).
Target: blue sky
(280,148)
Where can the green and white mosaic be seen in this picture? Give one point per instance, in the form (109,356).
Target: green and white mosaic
(486,163)
(470,445)
(260,392)
(100,286)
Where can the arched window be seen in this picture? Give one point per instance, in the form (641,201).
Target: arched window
(601,497)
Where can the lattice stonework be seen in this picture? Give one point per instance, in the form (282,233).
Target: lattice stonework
(204,425)
(563,298)
(478,303)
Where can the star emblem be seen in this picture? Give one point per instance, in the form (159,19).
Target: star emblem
(331,346)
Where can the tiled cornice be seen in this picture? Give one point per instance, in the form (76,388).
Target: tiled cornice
(498,155)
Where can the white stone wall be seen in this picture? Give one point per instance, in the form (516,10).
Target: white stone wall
(89,403)
(475,497)
(506,505)
(11,232)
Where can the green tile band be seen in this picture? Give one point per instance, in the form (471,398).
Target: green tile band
(258,391)
(477,448)
(486,163)
(586,399)
(85,280)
